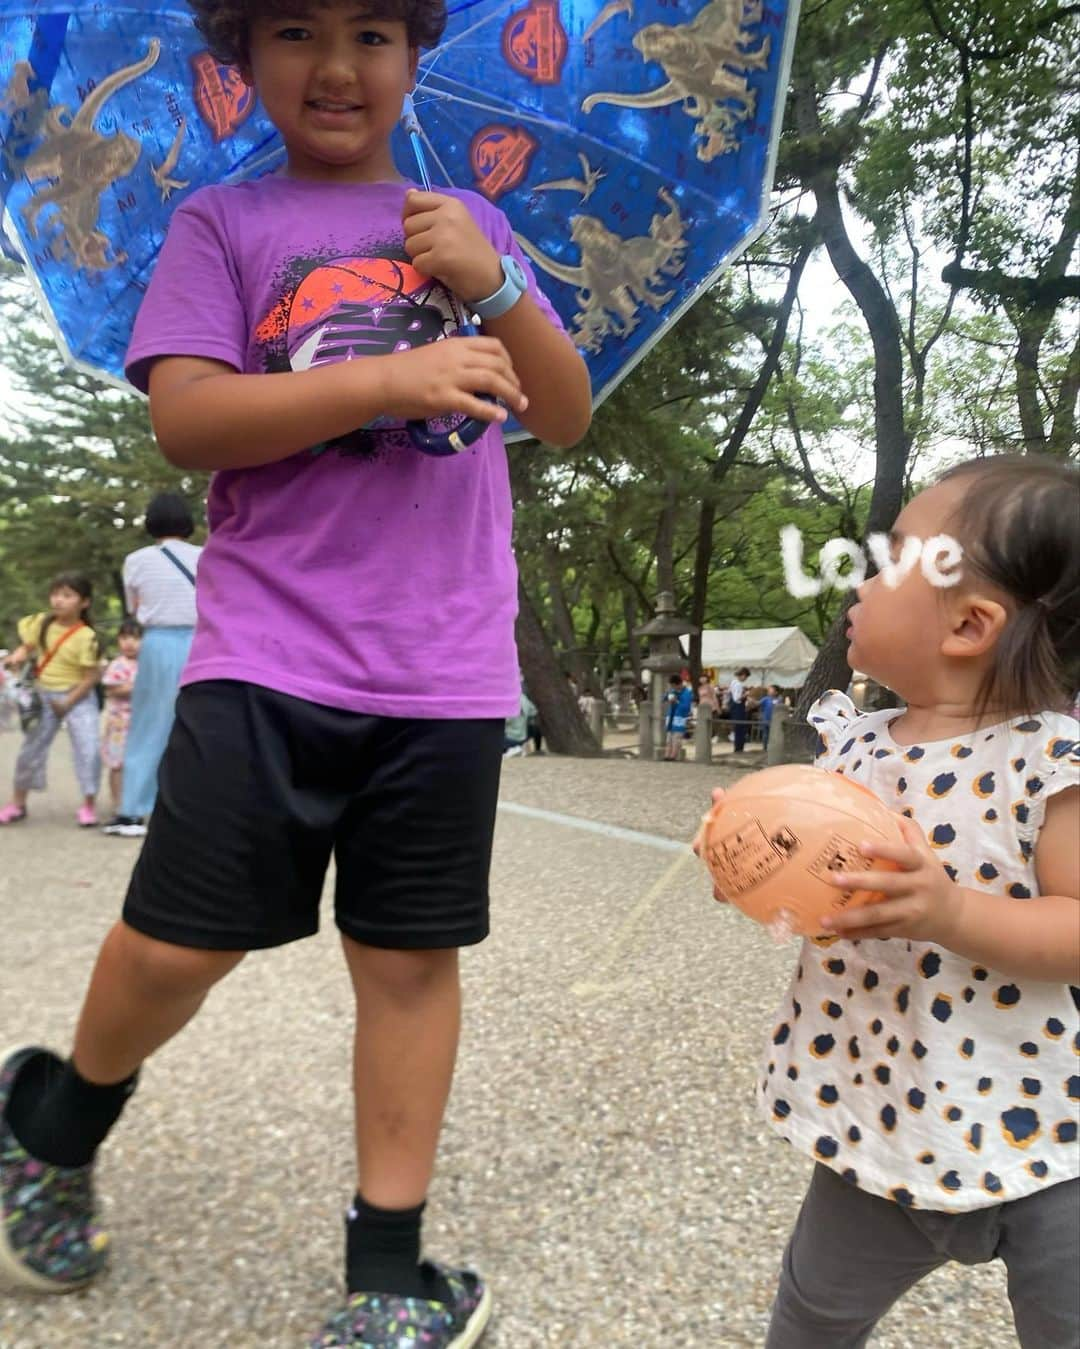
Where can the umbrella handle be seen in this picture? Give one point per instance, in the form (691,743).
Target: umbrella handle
(443,443)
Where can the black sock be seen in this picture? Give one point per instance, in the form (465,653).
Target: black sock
(58,1116)
(382,1253)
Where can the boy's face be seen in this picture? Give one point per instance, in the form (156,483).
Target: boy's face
(332,80)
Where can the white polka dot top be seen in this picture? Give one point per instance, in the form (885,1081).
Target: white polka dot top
(912,1072)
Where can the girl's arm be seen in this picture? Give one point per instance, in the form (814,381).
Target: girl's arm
(21,653)
(1029,938)
(78,693)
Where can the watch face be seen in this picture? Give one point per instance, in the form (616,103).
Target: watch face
(516,273)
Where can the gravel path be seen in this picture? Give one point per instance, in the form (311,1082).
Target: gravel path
(602,1161)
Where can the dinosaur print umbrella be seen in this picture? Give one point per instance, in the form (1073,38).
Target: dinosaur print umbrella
(631,144)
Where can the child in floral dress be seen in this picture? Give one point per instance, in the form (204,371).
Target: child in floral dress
(118,681)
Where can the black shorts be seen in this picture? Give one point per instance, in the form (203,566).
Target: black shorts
(258,789)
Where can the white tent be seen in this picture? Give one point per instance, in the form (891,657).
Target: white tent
(780,656)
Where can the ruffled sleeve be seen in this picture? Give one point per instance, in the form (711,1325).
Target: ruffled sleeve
(831,716)
(1053,768)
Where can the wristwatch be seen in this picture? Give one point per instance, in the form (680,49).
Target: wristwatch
(512,289)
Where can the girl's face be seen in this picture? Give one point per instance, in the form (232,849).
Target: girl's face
(67,604)
(903,636)
(129,646)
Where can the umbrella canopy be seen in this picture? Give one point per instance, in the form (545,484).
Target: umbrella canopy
(630,142)
(780,656)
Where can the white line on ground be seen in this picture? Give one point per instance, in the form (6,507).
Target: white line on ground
(594,827)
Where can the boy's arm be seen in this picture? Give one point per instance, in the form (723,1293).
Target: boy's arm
(444,240)
(207,416)
(553,376)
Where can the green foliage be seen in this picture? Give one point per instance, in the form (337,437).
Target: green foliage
(78,464)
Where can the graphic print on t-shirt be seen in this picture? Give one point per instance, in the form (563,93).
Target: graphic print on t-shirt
(341,307)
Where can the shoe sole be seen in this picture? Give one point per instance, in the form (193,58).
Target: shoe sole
(14,1272)
(477,1324)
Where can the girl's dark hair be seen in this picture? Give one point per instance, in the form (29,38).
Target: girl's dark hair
(69,580)
(227,26)
(130,627)
(742,673)
(168,517)
(1017,522)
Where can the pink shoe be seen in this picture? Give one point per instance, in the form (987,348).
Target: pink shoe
(86,818)
(12,814)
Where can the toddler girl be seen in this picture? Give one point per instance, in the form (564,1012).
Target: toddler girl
(925,1054)
(118,681)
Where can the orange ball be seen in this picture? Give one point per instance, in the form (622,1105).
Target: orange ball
(777,833)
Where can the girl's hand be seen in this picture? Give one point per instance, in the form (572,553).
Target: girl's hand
(444,241)
(699,842)
(17,657)
(921,902)
(444,378)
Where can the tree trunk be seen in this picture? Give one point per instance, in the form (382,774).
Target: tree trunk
(890,438)
(565,729)
(633,643)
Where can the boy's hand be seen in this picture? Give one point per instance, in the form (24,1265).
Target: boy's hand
(445,242)
(699,843)
(445,377)
(921,902)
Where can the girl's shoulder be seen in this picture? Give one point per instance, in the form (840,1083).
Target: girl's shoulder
(838,722)
(29,628)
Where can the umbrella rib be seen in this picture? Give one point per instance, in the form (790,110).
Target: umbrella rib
(466,32)
(435,156)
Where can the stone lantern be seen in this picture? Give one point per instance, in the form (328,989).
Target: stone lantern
(665,658)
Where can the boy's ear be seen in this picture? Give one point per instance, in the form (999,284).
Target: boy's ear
(976,623)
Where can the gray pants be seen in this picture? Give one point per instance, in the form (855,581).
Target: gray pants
(853,1254)
(83,728)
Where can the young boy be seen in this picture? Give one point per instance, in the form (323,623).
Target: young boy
(331,541)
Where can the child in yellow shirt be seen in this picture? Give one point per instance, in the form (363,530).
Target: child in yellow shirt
(65,650)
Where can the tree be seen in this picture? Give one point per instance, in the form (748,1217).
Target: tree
(78,463)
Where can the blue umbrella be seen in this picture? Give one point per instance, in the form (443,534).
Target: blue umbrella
(631,143)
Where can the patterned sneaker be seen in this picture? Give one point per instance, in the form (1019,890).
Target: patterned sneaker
(387,1321)
(48,1240)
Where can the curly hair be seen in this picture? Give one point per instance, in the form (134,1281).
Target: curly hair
(226,26)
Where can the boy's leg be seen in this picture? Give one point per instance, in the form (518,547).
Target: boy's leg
(850,1257)
(413,853)
(1040,1245)
(54,1116)
(408,1012)
(234,861)
(142,992)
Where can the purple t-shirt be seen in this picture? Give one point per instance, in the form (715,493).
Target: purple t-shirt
(362,574)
